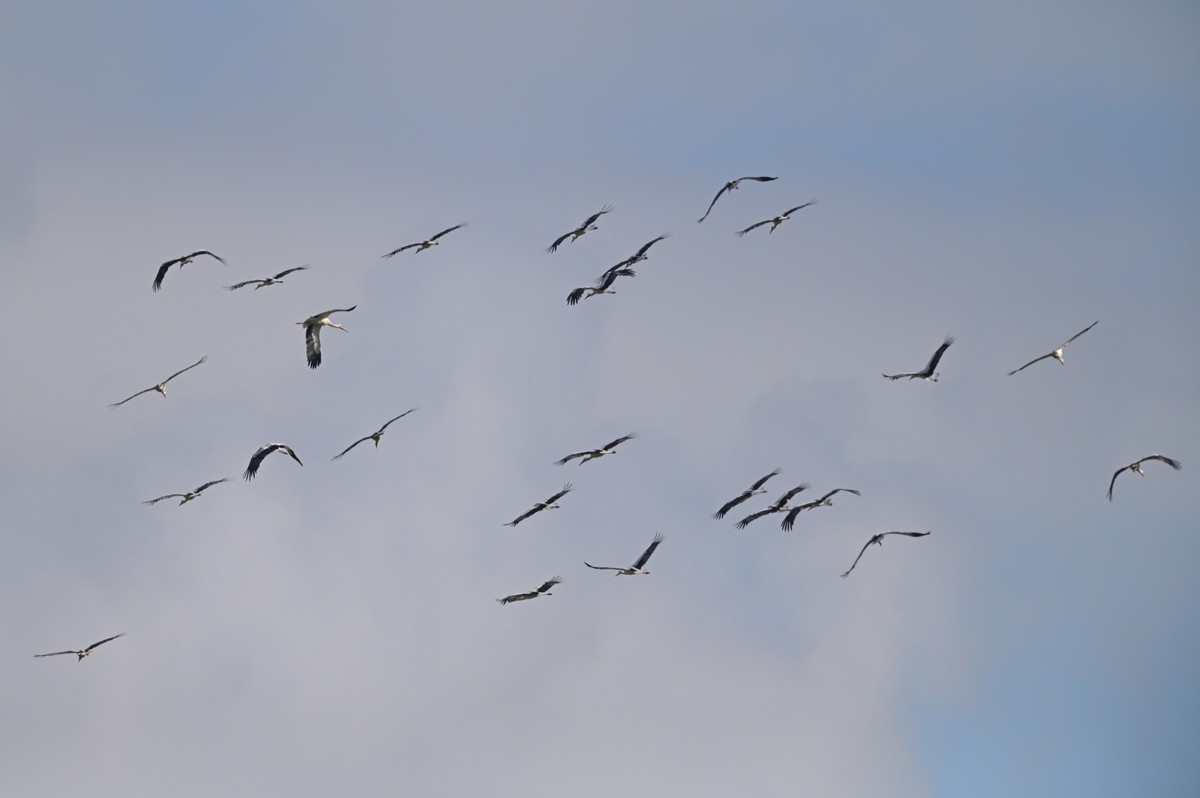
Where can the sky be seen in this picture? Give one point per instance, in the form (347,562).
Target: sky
(1006,174)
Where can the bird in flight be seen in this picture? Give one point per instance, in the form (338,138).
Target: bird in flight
(181,262)
(776,220)
(603,285)
(1057,354)
(312,333)
(927,373)
(374,436)
(780,505)
(879,540)
(549,504)
(424,245)
(265,281)
(1137,469)
(187,497)
(162,386)
(84,652)
(638,567)
(754,490)
(640,255)
(588,225)
(593,454)
(730,186)
(824,501)
(543,590)
(257,458)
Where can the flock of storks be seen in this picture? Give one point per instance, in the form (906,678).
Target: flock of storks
(603,285)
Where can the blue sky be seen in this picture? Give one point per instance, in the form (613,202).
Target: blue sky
(1004,175)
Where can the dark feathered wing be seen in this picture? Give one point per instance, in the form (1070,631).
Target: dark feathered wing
(641,561)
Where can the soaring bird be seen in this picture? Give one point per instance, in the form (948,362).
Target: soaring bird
(824,501)
(544,590)
(928,372)
(312,332)
(730,186)
(549,504)
(1137,468)
(181,262)
(84,652)
(754,490)
(187,497)
(879,539)
(603,285)
(780,506)
(638,567)
(265,281)
(374,436)
(776,220)
(1057,354)
(257,458)
(588,225)
(162,386)
(424,245)
(640,255)
(593,454)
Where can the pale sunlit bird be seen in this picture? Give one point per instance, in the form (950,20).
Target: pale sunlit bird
(162,386)
(312,333)
(930,370)
(1057,354)
(638,567)
(265,281)
(187,497)
(421,246)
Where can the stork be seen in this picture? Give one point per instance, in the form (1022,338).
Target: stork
(374,436)
(780,506)
(878,539)
(543,590)
(754,490)
(929,372)
(82,653)
(776,220)
(1057,354)
(181,261)
(421,246)
(162,386)
(187,497)
(549,504)
(824,501)
(312,332)
(257,458)
(593,454)
(603,286)
(588,225)
(1137,469)
(265,281)
(637,568)
(731,186)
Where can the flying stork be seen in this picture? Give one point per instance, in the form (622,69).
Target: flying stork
(162,386)
(927,373)
(549,504)
(544,590)
(603,285)
(640,255)
(588,225)
(187,497)
(1137,469)
(181,262)
(257,458)
(878,538)
(593,454)
(824,501)
(730,186)
(780,505)
(374,436)
(312,332)
(635,569)
(754,490)
(424,245)
(84,652)
(775,221)
(265,281)
(1057,354)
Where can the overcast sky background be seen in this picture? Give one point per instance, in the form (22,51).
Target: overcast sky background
(1007,176)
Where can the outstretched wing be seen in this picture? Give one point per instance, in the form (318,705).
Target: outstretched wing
(554,247)
(724,188)
(1172,463)
(614,444)
(1030,363)
(874,539)
(751,227)
(1081,332)
(645,247)
(312,344)
(571,457)
(517,597)
(55,653)
(105,640)
(351,446)
(123,401)
(729,505)
(397,418)
(566,489)
(603,567)
(200,252)
(401,249)
(641,561)
(763,480)
(208,485)
(831,493)
(754,516)
(549,584)
(189,368)
(931,366)
(1113,481)
(236,286)
(286,272)
(447,230)
(162,272)
(787,497)
(537,508)
(909,374)
(168,496)
(592,219)
(790,518)
(576,295)
(790,211)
